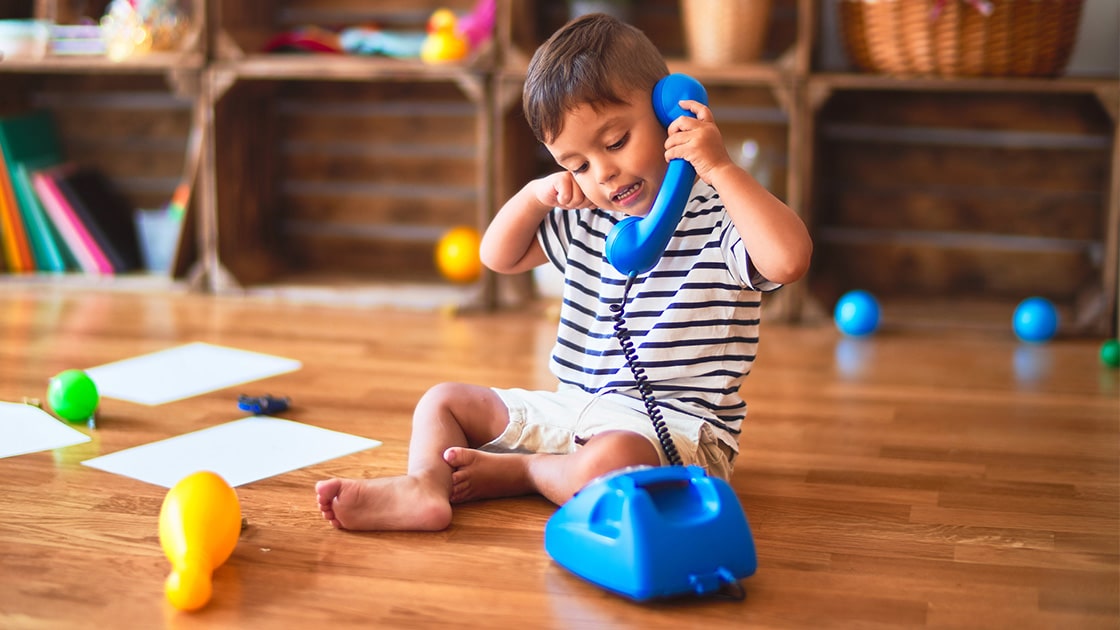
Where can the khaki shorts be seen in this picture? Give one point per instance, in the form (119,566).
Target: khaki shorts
(558,422)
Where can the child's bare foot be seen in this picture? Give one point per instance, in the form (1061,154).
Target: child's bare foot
(482,475)
(390,503)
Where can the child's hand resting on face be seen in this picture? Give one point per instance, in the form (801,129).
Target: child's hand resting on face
(560,190)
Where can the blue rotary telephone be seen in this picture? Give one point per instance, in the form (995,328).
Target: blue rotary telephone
(654,532)
(651,532)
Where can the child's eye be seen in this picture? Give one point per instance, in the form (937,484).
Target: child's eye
(618,145)
(579,169)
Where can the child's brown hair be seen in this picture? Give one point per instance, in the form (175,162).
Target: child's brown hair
(594,59)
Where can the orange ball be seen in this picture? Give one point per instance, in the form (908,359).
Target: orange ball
(457,255)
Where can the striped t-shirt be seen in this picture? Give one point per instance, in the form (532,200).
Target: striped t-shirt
(693,318)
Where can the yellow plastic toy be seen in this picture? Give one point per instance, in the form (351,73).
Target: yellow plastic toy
(444,43)
(199,524)
(457,255)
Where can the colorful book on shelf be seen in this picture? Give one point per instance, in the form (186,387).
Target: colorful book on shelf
(50,253)
(17,251)
(87,253)
(28,142)
(106,214)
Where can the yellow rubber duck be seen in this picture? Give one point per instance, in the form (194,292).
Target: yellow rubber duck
(443,44)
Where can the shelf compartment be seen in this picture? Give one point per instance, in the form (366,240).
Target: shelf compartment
(188,55)
(244,30)
(960,193)
(346,183)
(133,128)
(531,23)
(745,111)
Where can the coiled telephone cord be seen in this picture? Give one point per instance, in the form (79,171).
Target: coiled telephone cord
(640,378)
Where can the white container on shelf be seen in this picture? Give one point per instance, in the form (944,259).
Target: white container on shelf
(158,232)
(24,39)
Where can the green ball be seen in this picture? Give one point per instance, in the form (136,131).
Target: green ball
(73,396)
(1110,353)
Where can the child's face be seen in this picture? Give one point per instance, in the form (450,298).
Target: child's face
(616,153)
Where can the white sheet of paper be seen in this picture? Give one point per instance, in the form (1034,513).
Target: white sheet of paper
(240,451)
(27,429)
(184,371)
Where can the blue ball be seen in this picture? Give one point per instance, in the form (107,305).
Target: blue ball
(857,313)
(1035,320)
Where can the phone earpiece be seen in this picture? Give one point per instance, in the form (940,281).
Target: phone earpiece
(635,244)
(670,91)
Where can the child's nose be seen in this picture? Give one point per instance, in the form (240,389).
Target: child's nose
(605,171)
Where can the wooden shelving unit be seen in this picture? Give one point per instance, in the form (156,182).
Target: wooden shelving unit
(331,177)
(1010,191)
(753,101)
(131,118)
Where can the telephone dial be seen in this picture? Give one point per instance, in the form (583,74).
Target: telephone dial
(652,532)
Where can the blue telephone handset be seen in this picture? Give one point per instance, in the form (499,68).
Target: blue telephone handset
(635,244)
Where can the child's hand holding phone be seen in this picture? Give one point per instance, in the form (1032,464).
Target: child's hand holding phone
(697,140)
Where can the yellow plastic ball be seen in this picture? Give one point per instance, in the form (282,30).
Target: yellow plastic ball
(457,255)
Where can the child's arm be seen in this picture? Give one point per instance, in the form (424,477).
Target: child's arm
(510,244)
(775,237)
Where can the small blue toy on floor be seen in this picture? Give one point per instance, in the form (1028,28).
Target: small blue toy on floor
(263,405)
(857,314)
(1035,320)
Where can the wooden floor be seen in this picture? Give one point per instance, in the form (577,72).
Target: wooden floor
(907,480)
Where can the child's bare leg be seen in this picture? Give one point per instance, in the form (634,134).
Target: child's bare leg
(449,414)
(482,475)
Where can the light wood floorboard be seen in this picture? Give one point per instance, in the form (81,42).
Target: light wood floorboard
(913,479)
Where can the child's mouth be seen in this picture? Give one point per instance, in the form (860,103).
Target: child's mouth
(627,195)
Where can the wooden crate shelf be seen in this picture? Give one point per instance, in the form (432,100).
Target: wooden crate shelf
(983,190)
(135,128)
(354,181)
(131,118)
(302,193)
(333,176)
(753,100)
(529,23)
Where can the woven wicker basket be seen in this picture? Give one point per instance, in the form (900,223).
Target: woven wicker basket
(1019,38)
(718,32)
